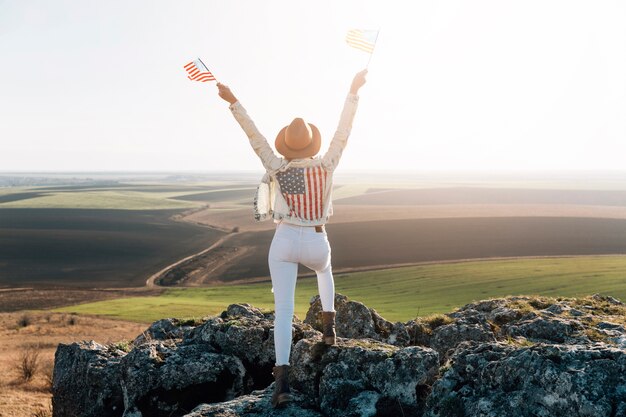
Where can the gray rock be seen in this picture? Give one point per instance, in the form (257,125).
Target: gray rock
(250,339)
(561,308)
(419,333)
(163,329)
(620,341)
(558,308)
(575,312)
(515,356)
(496,379)
(363,405)
(399,335)
(85,380)
(248,334)
(472,325)
(502,315)
(556,330)
(483,306)
(355,320)
(158,378)
(395,377)
(242,310)
(257,404)
(605,325)
(607,299)
(620,409)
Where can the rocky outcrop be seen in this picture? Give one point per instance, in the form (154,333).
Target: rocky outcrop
(541,380)
(86,380)
(340,377)
(356,320)
(512,356)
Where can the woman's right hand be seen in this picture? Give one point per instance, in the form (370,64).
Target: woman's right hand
(225,93)
(358,81)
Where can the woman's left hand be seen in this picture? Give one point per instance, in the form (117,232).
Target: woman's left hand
(225,93)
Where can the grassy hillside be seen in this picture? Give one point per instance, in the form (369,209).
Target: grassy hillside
(119,199)
(124,196)
(397,294)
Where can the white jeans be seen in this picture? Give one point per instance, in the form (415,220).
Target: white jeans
(293,244)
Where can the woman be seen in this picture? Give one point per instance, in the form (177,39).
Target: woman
(299,201)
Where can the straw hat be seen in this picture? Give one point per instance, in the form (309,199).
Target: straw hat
(298,140)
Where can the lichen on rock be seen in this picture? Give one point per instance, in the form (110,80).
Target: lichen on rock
(509,356)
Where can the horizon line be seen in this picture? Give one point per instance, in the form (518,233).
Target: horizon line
(347,170)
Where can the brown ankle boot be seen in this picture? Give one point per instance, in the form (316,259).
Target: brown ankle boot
(328,327)
(281,394)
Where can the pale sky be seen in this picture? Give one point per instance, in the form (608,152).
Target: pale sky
(99,85)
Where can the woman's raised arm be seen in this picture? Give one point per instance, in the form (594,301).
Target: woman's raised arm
(257,140)
(340,139)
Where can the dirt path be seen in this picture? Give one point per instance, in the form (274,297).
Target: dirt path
(150,282)
(15,289)
(202,268)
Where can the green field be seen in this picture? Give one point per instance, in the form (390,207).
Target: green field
(124,196)
(398,294)
(103,199)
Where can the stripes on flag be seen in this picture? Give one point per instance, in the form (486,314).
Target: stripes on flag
(303,189)
(362,39)
(198,71)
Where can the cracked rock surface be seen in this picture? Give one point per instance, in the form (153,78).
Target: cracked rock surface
(511,356)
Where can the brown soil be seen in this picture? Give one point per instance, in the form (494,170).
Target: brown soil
(369,245)
(488,195)
(42,335)
(355,222)
(349,213)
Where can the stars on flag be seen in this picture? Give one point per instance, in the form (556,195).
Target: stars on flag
(198,71)
(303,189)
(292,181)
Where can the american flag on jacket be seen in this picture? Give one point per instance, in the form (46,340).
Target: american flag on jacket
(303,189)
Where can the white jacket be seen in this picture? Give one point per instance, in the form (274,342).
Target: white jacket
(306,195)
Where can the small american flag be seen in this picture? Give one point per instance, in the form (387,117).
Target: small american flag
(362,39)
(303,188)
(198,71)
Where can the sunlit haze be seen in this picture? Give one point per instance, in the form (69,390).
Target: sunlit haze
(99,85)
